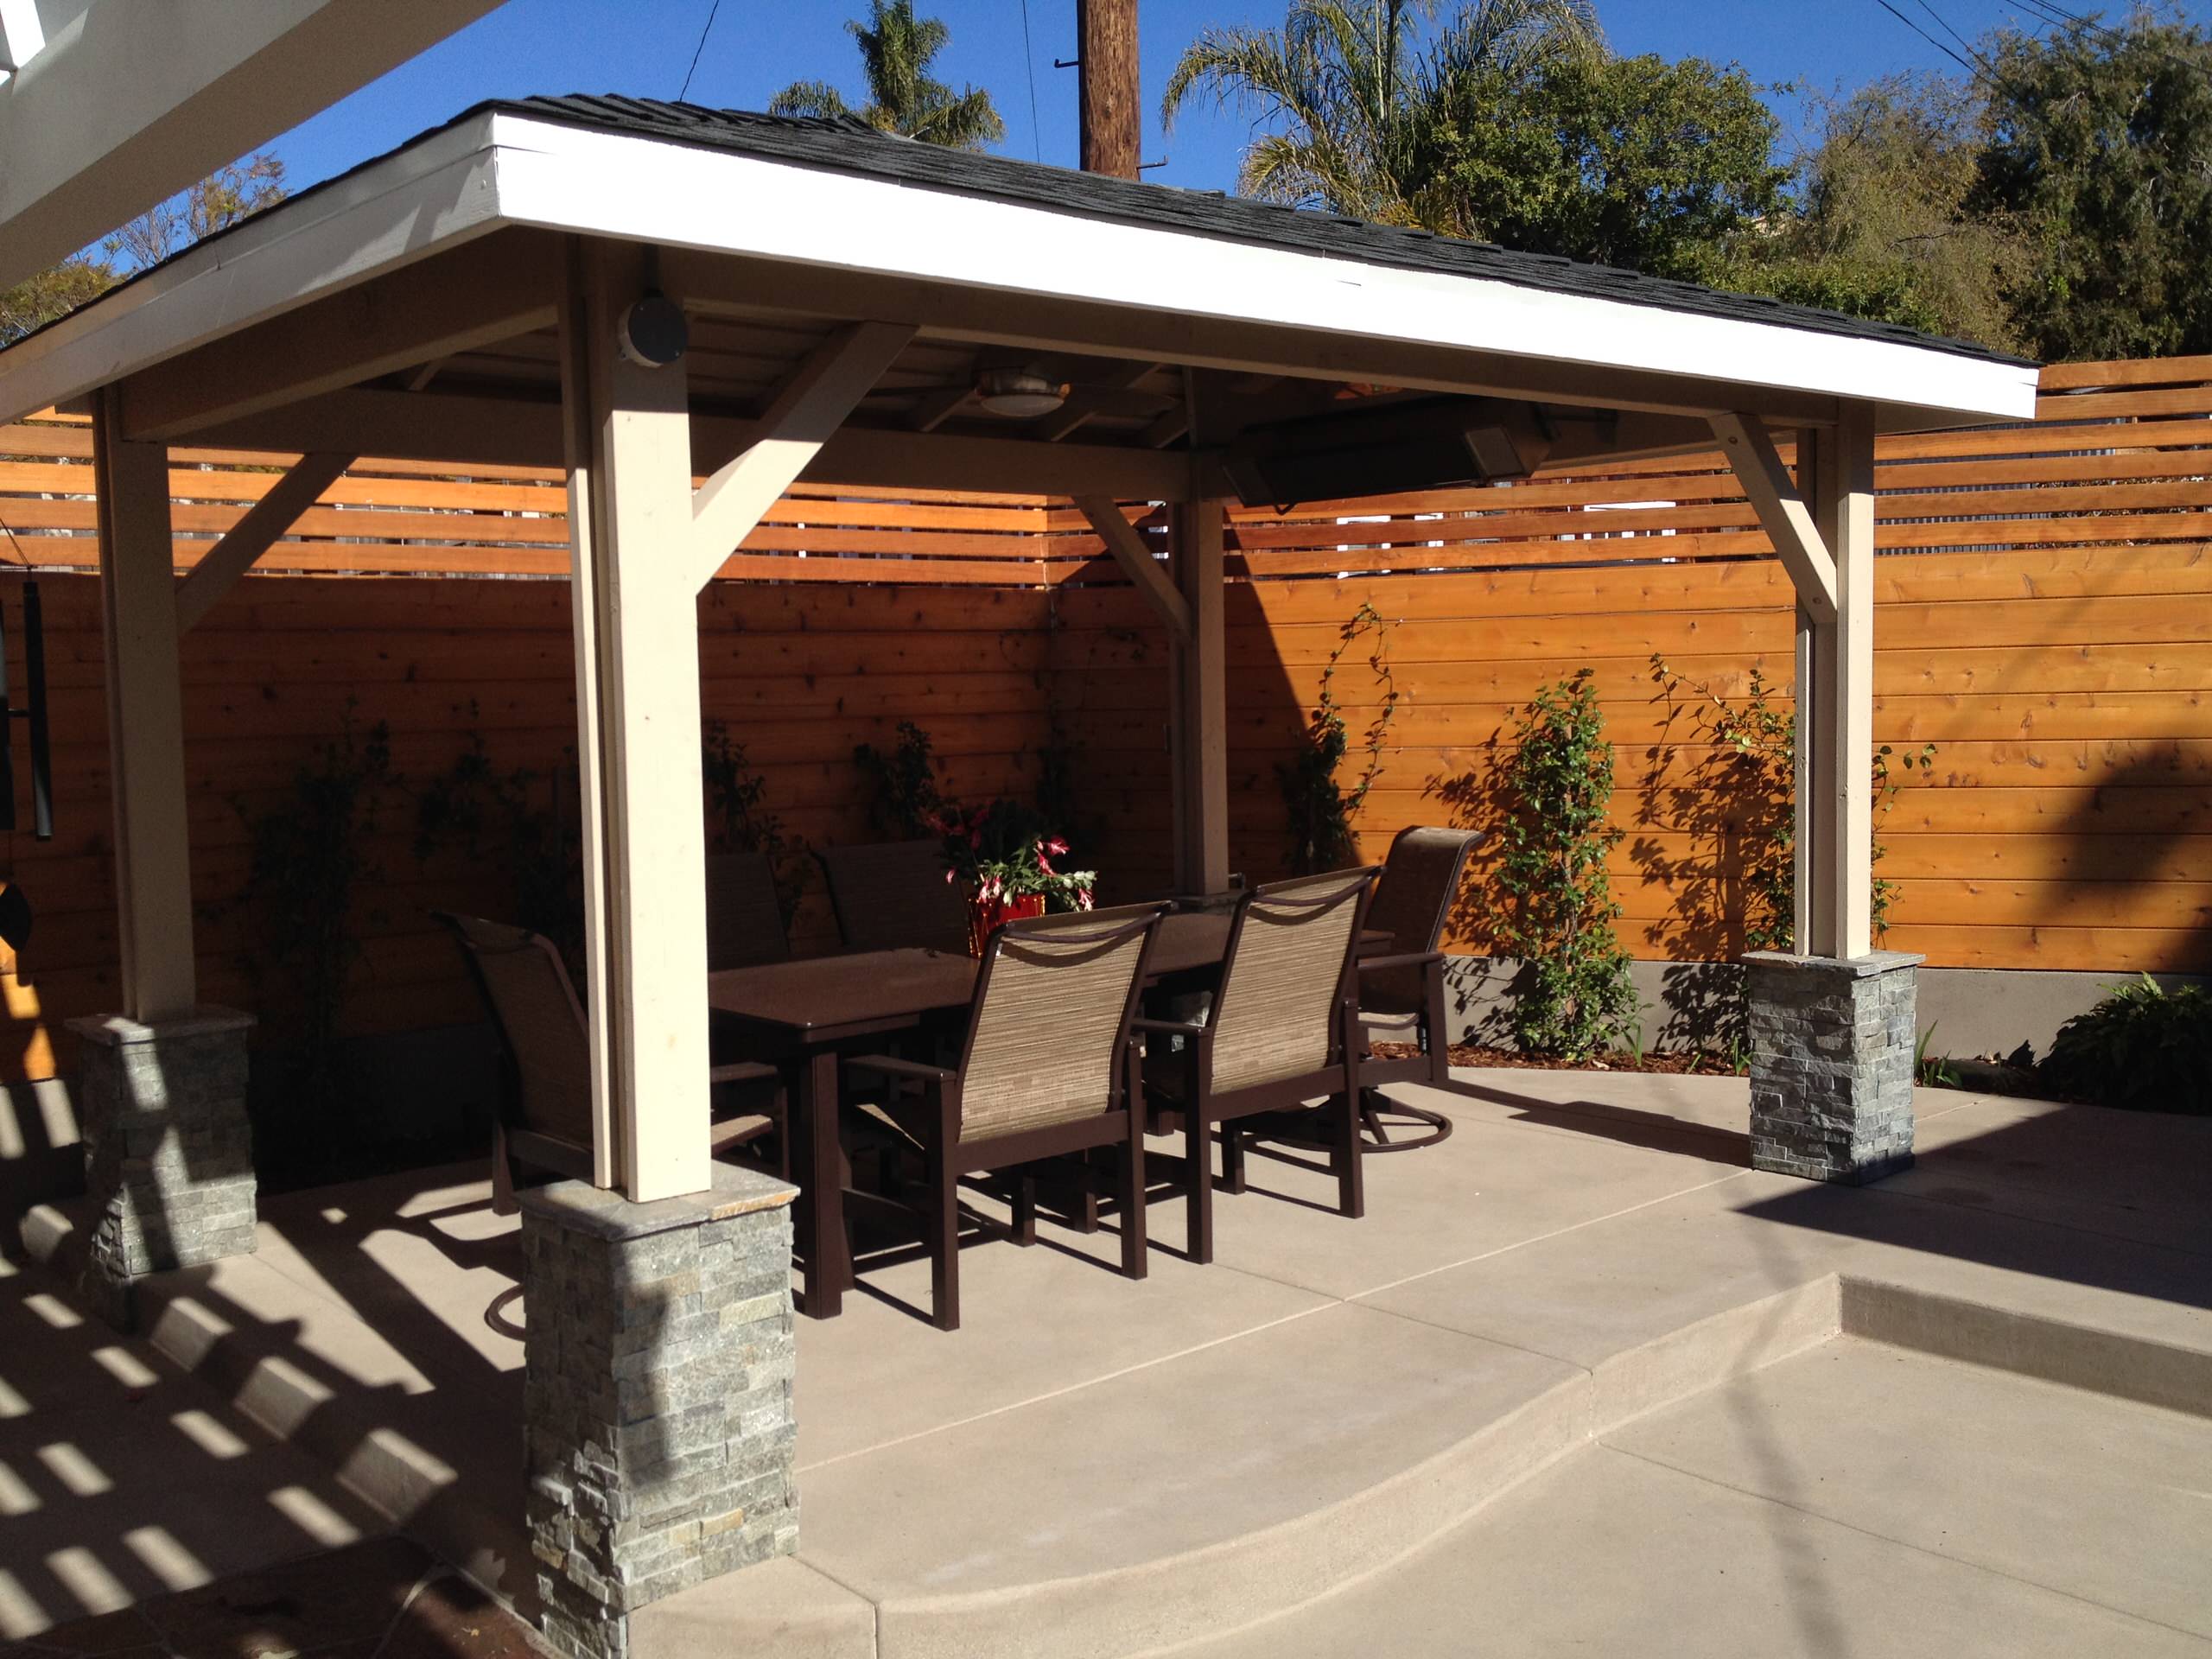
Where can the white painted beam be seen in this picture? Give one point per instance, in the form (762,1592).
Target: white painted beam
(804,416)
(130,101)
(490,291)
(1132,553)
(1782,513)
(267,519)
(440,425)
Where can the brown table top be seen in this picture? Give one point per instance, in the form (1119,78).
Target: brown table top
(814,999)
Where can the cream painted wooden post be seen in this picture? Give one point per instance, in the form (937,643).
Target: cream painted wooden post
(153,864)
(1201,701)
(1815,651)
(637,633)
(1840,777)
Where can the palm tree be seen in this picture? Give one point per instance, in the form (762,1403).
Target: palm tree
(896,47)
(1347,92)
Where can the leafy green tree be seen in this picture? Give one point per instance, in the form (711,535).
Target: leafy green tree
(218,202)
(1509,121)
(1633,162)
(896,47)
(2098,139)
(1347,91)
(222,199)
(55,293)
(1883,224)
(1557,911)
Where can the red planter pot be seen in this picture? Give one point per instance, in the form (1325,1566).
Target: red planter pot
(985,914)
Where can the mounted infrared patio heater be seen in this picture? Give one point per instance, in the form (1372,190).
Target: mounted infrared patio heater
(33,712)
(1386,448)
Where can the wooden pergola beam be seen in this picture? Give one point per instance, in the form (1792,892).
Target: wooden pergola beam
(1783,510)
(519,432)
(479,294)
(723,284)
(266,520)
(805,417)
(1135,557)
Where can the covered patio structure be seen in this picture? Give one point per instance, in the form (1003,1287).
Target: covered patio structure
(691,310)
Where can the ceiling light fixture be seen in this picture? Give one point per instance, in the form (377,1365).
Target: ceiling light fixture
(1019,394)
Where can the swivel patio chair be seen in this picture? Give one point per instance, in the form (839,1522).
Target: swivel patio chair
(1401,995)
(544,1123)
(1046,1069)
(745,920)
(894,895)
(1284,1031)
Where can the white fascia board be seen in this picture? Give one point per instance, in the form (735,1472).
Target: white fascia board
(433,195)
(678,195)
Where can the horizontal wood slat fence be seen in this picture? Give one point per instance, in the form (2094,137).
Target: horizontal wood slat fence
(2046,622)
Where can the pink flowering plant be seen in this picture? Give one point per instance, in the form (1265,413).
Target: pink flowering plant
(1006,850)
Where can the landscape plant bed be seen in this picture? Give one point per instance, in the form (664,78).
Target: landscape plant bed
(1677,1062)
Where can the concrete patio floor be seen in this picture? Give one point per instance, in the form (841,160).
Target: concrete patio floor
(1098,1466)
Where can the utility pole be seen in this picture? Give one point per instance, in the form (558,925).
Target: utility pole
(1113,120)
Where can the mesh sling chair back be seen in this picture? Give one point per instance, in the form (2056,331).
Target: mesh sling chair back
(1046,1071)
(1284,1030)
(1401,995)
(545,1123)
(744,919)
(894,895)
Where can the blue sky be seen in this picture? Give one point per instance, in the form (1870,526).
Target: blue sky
(643,47)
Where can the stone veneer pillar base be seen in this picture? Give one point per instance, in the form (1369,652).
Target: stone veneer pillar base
(169,1153)
(657,1397)
(1832,1052)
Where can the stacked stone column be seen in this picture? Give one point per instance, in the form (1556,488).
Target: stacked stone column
(656,1396)
(1832,1063)
(169,1153)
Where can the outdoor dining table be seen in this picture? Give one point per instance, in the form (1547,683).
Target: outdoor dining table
(806,1012)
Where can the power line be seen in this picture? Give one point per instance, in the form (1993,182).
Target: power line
(1029,63)
(697,50)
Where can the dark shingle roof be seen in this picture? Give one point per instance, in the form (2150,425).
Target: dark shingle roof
(845,144)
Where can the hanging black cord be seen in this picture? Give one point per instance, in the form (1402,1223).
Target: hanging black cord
(697,50)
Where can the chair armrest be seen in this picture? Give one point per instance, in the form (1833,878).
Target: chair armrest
(1168,1027)
(1404,959)
(890,1066)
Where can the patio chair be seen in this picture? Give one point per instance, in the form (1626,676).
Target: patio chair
(1283,1031)
(892,895)
(1401,995)
(545,1123)
(1046,1069)
(744,919)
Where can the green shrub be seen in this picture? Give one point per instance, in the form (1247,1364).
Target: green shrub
(1558,910)
(1319,809)
(2143,1047)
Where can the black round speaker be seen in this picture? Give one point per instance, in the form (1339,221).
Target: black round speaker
(654,332)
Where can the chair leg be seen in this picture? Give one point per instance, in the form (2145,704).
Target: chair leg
(944,1236)
(1136,1251)
(1351,1187)
(1025,1207)
(1199,1200)
(1232,1157)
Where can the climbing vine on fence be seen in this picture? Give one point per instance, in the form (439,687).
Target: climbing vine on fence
(1556,908)
(1319,808)
(1756,737)
(737,811)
